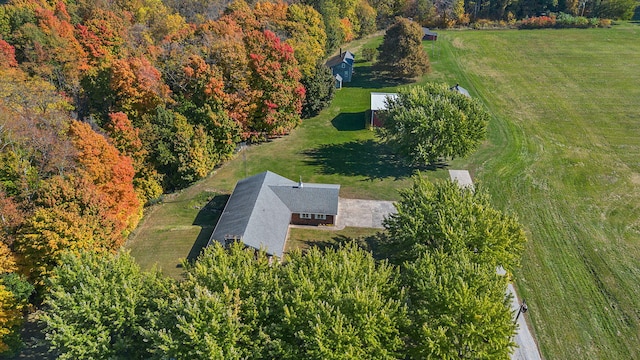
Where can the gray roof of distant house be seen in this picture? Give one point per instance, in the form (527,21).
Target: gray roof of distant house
(259,210)
(379,100)
(345,57)
(426,31)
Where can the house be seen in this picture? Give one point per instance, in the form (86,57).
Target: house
(429,35)
(379,103)
(342,64)
(460,89)
(261,208)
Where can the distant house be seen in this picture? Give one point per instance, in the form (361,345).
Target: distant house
(429,35)
(460,89)
(262,206)
(379,103)
(342,64)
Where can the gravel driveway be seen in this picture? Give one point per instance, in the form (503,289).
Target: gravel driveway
(363,213)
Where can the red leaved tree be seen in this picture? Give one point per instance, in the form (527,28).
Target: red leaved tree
(276,78)
(111,172)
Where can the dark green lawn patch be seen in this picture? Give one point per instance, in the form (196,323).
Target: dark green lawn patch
(303,238)
(350,121)
(369,159)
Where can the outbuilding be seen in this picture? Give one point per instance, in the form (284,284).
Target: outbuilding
(429,35)
(379,103)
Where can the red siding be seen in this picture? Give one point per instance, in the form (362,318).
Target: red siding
(296,220)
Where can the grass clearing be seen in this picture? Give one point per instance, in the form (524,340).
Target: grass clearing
(563,155)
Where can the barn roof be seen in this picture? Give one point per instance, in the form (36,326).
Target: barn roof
(259,210)
(379,100)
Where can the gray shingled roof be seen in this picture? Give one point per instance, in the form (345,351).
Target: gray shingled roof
(345,57)
(310,199)
(426,31)
(259,210)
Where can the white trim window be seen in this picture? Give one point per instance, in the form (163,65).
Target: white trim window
(321,217)
(305,216)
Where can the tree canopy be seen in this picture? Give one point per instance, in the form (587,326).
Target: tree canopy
(401,53)
(442,215)
(459,308)
(426,124)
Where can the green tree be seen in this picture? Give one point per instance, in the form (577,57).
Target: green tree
(98,304)
(443,216)
(616,9)
(430,123)
(401,53)
(339,304)
(331,304)
(222,287)
(320,88)
(459,308)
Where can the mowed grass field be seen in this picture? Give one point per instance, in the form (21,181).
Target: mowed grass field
(563,154)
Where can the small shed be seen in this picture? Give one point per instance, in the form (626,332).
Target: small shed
(379,103)
(429,35)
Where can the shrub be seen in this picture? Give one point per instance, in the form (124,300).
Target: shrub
(562,20)
(369,54)
(538,22)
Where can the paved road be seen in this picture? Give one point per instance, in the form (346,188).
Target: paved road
(527,348)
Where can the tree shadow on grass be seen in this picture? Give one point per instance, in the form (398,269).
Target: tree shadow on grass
(365,77)
(349,121)
(369,158)
(337,241)
(207,219)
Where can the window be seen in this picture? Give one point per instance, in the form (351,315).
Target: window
(343,65)
(321,217)
(305,216)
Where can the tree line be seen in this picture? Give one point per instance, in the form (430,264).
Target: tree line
(434,295)
(106,105)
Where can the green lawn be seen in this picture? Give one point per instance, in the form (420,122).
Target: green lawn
(563,154)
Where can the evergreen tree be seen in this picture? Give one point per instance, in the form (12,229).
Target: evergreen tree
(320,90)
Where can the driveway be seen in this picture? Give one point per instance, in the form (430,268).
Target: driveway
(363,213)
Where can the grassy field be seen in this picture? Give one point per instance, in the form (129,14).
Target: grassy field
(563,154)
